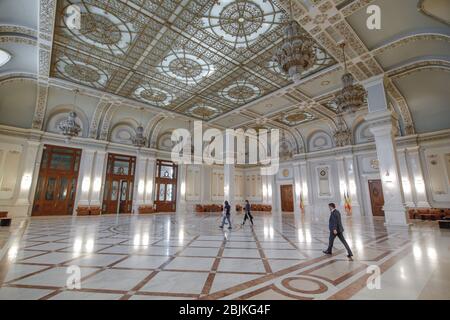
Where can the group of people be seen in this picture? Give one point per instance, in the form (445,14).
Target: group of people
(226,215)
(334,225)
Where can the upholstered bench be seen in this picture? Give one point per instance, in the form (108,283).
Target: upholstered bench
(444,223)
(146,209)
(4,220)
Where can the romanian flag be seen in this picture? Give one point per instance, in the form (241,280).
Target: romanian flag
(347,203)
(302,205)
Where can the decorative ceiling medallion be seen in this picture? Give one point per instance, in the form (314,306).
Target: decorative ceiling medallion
(240,23)
(296,118)
(102,29)
(81,72)
(185,67)
(203,111)
(153,95)
(241,92)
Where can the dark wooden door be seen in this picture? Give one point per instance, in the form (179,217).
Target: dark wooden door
(57,181)
(287,198)
(166,186)
(376,197)
(118,196)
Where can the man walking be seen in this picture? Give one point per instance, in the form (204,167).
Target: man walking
(336,230)
(227,208)
(247,214)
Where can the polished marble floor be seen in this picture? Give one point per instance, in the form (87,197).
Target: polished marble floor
(186,256)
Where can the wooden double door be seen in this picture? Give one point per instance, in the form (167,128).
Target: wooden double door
(166,186)
(57,181)
(119,183)
(376,197)
(287,198)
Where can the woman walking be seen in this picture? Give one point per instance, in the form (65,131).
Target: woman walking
(226,216)
(247,214)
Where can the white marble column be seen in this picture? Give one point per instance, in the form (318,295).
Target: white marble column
(228,170)
(85,178)
(98,177)
(181,189)
(297,187)
(24,200)
(418,182)
(383,125)
(343,185)
(139,182)
(305,185)
(150,181)
(352,183)
(405,178)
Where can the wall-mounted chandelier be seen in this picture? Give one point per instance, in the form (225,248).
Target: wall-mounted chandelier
(352,96)
(69,127)
(139,140)
(297,53)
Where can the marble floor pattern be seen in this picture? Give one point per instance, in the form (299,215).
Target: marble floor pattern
(186,256)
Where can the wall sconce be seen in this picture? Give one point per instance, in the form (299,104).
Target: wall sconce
(97,184)
(183,189)
(420,186)
(406,186)
(141,186)
(387,177)
(297,190)
(26,182)
(86,184)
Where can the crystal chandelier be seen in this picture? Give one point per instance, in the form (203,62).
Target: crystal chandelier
(69,127)
(343,135)
(139,140)
(297,54)
(352,96)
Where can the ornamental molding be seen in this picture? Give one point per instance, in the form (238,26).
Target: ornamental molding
(419,66)
(104,133)
(95,122)
(15,30)
(410,39)
(41,106)
(18,39)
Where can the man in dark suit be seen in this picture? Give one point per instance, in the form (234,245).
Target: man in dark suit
(336,230)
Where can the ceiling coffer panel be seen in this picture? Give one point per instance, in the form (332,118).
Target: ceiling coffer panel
(199,57)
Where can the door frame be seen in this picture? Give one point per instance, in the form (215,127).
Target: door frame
(366,194)
(370,196)
(281,185)
(75,175)
(161,180)
(277,195)
(110,177)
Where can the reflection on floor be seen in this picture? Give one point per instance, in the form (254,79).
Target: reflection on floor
(184,256)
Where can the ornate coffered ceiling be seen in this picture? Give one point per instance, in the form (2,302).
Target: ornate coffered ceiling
(201,58)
